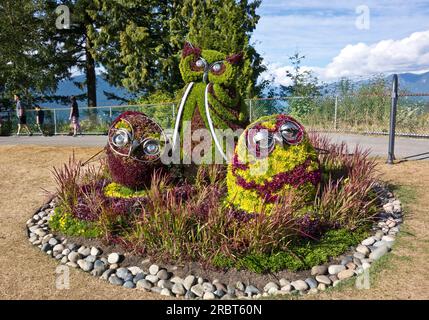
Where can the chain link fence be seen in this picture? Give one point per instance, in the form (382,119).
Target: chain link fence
(351,114)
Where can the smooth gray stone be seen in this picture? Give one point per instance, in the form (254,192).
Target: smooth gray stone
(144,284)
(270,285)
(316,270)
(323,279)
(53,242)
(165,292)
(138,277)
(190,295)
(46,247)
(251,290)
(73,256)
(189,281)
(99,268)
(85,265)
(106,274)
(113,258)
(219,293)
(198,290)
(299,285)
(156,289)
(178,289)
(379,252)
(152,278)
(115,280)
(163,274)
(129,285)
(153,269)
(165,284)
(335,268)
(91,258)
(311,283)
(240,286)
(123,273)
(208,287)
(209,296)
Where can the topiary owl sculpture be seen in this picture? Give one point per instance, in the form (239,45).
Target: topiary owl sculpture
(135,143)
(273,158)
(210,99)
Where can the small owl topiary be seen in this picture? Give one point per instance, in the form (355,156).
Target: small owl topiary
(135,143)
(273,158)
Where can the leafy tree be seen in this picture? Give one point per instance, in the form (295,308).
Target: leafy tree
(30,61)
(303,89)
(139,42)
(134,41)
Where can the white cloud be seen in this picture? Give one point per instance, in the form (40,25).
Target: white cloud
(409,54)
(320,29)
(278,73)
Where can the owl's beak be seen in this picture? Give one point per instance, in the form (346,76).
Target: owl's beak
(206,76)
(134,146)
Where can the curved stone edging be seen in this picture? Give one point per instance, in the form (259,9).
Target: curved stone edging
(159,280)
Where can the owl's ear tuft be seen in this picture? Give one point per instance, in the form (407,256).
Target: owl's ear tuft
(189,49)
(235,58)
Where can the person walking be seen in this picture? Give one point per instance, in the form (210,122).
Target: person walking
(40,118)
(74,116)
(22,118)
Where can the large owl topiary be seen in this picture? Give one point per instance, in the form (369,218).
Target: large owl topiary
(273,158)
(210,99)
(134,147)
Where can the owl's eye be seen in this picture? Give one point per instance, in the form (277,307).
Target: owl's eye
(151,147)
(121,138)
(291,132)
(200,63)
(217,67)
(264,140)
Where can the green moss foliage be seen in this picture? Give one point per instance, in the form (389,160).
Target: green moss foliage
(300,255)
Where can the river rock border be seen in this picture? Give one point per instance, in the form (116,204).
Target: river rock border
(158,280)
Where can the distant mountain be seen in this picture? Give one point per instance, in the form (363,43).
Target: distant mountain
(407,81)
(68,88)
(414,82)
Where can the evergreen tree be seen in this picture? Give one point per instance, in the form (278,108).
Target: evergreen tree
(78,43)
(30,59)
(139,42)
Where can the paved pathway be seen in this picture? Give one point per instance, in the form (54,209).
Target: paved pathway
(406,148)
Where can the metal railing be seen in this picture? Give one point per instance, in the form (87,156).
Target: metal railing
(352,114)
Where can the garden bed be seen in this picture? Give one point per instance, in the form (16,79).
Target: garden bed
(191,231)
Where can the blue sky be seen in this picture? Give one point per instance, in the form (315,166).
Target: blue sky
(336,39)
